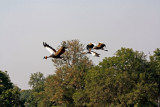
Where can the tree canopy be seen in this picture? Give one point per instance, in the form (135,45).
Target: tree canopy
(122,80)
(129,78)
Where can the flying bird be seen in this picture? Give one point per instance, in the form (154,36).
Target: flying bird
(95,53)
(92,52)
(90,46)
(100,46)
(53,52)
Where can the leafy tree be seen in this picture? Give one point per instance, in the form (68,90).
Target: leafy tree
(155,71)
(37,81)
(35,95)
(25,94)
(9,94)
(5,82)
(64,86)
(121,80)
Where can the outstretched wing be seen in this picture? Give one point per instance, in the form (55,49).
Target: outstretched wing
(95,53)
(60,51)
(49,48)
(99,45)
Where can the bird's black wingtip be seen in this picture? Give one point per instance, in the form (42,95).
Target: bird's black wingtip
(44,44)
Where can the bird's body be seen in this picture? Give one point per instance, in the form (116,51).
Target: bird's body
(53,52)
(90,46)
(100,46)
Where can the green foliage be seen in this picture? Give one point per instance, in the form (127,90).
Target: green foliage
(33,98)
(121,80)
(155,71)
(80,98)
(9,94)
(5,82)
(37,81)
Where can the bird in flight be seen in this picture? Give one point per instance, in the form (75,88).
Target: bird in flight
(53,52)
(100,46)
(92,52)
(90,46)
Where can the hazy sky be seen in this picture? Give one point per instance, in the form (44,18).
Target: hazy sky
(25,24)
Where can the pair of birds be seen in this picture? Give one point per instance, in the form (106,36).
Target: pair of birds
(91,46)
(57,54)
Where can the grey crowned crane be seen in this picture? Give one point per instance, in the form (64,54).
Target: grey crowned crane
(53,52)
(89,47)
(100,46)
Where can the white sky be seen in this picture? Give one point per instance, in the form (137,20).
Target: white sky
(25,24)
